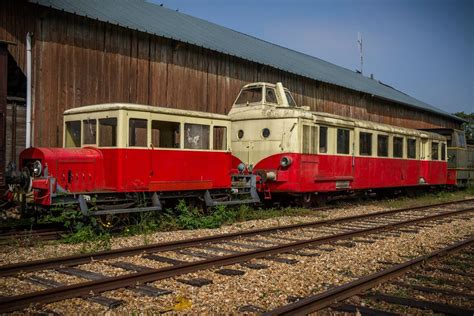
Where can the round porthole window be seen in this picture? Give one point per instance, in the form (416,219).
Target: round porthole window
(265,132)
(240,134)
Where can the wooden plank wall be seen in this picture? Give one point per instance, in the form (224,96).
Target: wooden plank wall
(3,109)
(80,61)
(15,130)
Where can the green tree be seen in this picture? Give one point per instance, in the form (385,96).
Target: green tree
(469,125)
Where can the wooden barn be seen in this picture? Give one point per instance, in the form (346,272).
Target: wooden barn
(95,51)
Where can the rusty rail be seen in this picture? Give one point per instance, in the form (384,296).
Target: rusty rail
(85,289)
(325,299)
(12,269)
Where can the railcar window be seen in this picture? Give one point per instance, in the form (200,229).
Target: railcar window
(310,136)
(137,132)
(219,134)
(443,151)
(289,98)
(462,139)
(250,95)
(270,95)
(73,134)
(411,148)
(165,134)
(196,136)
(342,141)
(365,144)
(90,131)
(323,139)
(382,145)
(398,147)
(434,151)
(108,132)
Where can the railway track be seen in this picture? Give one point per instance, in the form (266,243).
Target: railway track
(222,250)
(338,298)
(26,234)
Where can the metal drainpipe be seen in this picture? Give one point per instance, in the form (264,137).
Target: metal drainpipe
(28,89)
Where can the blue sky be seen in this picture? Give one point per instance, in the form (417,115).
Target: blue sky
(424,48)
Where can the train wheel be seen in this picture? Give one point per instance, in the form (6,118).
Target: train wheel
(306,200)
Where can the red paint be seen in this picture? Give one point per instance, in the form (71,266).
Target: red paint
(89,170)
(319,173)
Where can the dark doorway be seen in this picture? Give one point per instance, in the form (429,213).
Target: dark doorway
(3,109)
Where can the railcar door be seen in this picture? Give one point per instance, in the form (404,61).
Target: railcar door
(424,160)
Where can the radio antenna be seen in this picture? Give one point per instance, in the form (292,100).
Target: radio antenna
(359,41)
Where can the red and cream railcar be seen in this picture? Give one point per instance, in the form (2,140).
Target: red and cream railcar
(307,153)
(131,156)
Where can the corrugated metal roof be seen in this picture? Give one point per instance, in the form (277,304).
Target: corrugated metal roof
(151,18)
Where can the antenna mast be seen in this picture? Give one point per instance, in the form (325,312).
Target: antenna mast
(359,41)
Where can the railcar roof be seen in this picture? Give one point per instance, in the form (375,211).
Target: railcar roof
(142,108)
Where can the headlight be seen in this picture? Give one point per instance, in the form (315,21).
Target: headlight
(285,161)
(37,168)
(241,167)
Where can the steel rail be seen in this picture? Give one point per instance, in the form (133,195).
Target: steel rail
(8,304)
(15,268)
(325,299)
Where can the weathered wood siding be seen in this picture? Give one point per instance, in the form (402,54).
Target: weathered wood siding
(79,61)
(15,130)
(3,110)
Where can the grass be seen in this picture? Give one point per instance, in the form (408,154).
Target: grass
(94,237)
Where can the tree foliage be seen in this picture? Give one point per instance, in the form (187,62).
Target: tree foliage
(469,125)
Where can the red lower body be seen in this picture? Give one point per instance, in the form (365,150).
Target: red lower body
(325,173)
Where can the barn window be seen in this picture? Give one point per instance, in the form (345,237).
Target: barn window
(365,144)
(196,136)
(342,141)
(443,151)
(165,134)
(251,95)
(411,148)
(310,136)
(434,151)
(323,139)
(398,147)
(73,134)
(137,132)
(90,131)
(270,95)
(219,134)
(382,145)
(108,132)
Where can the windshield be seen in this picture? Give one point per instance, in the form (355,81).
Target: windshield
(251,95)
(289,97)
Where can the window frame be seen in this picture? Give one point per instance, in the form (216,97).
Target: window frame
(348,141)
(83,130)
(117,122)
(387,138)
(209,144)
(147,142)
(159,119)
(408,148)
(400,147)
(326,128)
(66,133)
(274,93)
(367,154)
(437,150)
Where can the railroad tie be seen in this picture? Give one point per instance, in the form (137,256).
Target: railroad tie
(360,310)
(435,307)
(99,299)
(145,289)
